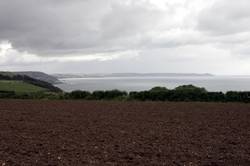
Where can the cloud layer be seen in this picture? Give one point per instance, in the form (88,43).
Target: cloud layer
(125,36)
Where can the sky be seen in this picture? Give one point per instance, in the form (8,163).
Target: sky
(115,36)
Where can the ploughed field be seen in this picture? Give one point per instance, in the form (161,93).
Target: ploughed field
(123,133)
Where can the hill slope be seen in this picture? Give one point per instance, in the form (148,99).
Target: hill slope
(9,76)
(40,76)
(19,86)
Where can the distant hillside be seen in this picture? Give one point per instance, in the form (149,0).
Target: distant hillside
(61,76)
(40,76)
(158,75)
(18,79)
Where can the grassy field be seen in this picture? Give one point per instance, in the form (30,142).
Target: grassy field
(19,86)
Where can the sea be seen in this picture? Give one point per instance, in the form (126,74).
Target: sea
(211,83)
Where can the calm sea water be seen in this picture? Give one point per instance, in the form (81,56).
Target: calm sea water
(215,83)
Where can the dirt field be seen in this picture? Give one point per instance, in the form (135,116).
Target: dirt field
(130,133)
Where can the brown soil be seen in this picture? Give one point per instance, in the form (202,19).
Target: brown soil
(123,133)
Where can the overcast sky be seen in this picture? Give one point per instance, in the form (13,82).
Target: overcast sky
(105,36)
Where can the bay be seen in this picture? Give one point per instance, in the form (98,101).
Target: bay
(211,83)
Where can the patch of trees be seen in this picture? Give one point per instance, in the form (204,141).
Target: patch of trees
(238,96)
(32,81)
(7,94)
(33,95)
(189,93)
(98,95)
(181,93)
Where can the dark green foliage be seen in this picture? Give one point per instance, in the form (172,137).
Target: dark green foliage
(79,94)
(113,94)
(5,77)
(238,96)
(190,88)
(216,96)
(181,93)
(98,95)
(7,94)
(189,93)
(142,96)
(35,95)
(150,95)
(108,95)
(158,89)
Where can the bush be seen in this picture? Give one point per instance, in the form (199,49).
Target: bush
(98,95)
(79,94)
(216,96)
(181,93)
(109,95)
(189,93)
(159,89)
(7,94)
(190,88)
(114,94)
(238,96)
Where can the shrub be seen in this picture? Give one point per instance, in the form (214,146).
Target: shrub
(158,89)
(98,95)
(79,94)
(238,96)
(215,96)
(7,94)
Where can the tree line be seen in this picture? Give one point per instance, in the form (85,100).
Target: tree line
(181,93)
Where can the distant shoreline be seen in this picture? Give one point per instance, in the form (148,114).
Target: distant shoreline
(121,75)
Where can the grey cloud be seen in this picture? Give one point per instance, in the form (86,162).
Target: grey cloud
(186,35)
(42,26)
(50,28)
(226,25)
(226,17)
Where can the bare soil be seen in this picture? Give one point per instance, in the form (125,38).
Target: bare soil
(123,133)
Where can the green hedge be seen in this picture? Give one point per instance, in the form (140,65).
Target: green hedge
(181,93)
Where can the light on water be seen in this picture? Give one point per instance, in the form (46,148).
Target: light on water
(213,83)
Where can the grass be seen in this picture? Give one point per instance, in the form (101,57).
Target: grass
(19,86)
